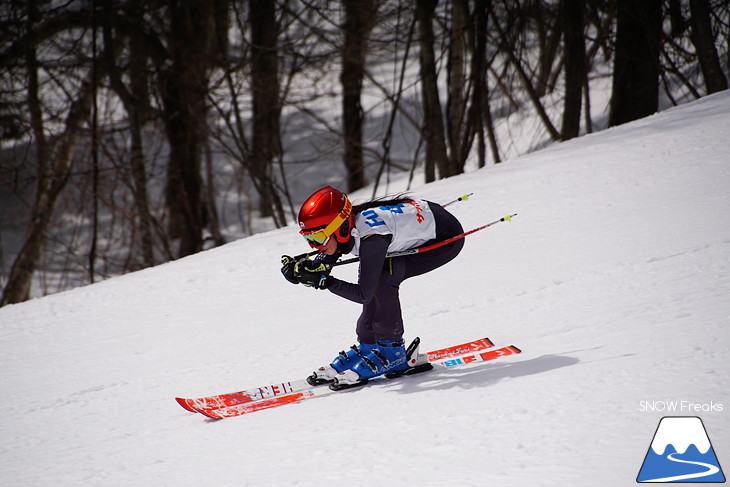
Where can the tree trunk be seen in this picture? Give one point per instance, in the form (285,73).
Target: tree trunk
(266,105)
(359,16)
(704,43)
(635,88)
(136,103)
(571,15)
(481,91)
(458,133)
(479,77)
(214,224)
(433,126)
(184,87)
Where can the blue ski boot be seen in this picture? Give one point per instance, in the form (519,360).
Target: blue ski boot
(388,357)
(343,361)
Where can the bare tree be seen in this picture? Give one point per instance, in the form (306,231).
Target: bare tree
(53,173)
(458,131)
(704,42)
(359,18)
(135,98)
(550,26)
(54,154)
(433,126)
(266,106)
(636,61)
(183,85)
(480,70)
(571,13)
(510,47)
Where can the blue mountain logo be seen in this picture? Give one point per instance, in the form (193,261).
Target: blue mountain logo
(681,452)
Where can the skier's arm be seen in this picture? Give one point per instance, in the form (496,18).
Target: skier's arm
(372,258)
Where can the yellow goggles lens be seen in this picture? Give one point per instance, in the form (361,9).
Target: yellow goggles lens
(316,238)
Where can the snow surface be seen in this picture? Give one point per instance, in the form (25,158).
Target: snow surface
(613,279)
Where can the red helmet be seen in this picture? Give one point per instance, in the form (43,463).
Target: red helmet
(327,212)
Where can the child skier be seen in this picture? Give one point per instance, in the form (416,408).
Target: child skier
(332,225)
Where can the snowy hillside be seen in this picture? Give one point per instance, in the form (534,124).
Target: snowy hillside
(614,280)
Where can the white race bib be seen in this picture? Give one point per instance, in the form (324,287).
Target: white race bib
(411,224)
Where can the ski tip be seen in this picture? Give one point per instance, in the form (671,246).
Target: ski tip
(489,343)
(184,403)
(515,349)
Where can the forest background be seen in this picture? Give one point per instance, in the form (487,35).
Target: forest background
(138,132)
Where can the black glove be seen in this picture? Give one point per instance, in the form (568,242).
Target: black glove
(287,269)
(313,274)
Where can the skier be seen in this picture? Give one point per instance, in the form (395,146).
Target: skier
(332,225)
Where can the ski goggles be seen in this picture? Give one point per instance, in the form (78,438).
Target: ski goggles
(318,238)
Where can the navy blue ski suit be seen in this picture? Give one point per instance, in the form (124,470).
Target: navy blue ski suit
(380,278)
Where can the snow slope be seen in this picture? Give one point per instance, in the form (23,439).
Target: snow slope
(613,279)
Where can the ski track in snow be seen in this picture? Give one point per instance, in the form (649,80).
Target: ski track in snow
(613,279)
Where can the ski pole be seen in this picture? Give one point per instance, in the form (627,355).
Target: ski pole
(463,197)
(432,246)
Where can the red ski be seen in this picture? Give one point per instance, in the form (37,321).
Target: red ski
(281,388)
(251,407)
